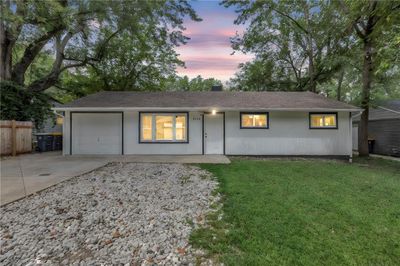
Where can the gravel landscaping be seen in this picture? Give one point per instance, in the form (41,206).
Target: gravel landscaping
(123,213)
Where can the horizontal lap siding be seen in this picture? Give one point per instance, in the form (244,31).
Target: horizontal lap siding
(386,134)
(288,134)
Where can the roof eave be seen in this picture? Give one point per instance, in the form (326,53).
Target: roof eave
(316,109)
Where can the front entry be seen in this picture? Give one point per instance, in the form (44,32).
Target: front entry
(213,133)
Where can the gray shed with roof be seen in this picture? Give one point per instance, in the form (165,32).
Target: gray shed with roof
(383,128)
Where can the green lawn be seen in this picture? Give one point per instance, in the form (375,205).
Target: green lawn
(309,212)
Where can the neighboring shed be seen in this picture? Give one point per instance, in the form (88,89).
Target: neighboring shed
(49,136)
(383,128)
(52,125)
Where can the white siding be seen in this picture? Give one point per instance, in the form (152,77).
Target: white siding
(288,134)
(355,137)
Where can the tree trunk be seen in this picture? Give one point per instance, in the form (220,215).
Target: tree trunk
(5,51)
(310,51)
(366,86)
(339,88)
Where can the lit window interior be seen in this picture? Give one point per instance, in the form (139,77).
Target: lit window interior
(147,123)
(163,127)
(180,127)
(323,120)
(254,120)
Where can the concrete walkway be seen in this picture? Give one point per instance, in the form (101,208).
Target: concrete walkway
(386,157)
(27,174)
(391,158)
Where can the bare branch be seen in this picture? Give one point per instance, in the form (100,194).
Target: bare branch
(291,19)
(30,54)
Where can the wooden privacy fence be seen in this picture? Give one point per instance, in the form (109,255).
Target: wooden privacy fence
(16,137)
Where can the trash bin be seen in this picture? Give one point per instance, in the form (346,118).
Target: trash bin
(44,142)
(371,143)
(57,143)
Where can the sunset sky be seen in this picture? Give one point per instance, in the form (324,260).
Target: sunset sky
(208,52)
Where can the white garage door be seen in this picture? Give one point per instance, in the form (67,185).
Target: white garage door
(96,133)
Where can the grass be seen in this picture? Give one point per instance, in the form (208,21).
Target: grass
(310,212)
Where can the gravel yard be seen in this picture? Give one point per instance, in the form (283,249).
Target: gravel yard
(123,213)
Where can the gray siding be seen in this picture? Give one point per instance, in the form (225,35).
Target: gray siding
(49,126)
(386,134)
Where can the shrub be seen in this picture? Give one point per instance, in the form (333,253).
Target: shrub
(20,104)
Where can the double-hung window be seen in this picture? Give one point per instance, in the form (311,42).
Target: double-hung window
(254,120)
(163,127)
(323,121)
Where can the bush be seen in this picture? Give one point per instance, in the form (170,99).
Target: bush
(20,104)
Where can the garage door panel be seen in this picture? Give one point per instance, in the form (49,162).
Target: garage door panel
(97,133)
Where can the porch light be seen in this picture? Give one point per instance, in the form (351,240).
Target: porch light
(214,112)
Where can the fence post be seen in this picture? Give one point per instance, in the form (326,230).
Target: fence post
(14,137)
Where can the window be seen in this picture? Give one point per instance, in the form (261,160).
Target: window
(160,127)
(323,120)
(254,120)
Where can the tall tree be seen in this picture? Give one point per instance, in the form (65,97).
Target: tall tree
(132,62)
(298,43)
(195,84)
(372,22)
(79,32)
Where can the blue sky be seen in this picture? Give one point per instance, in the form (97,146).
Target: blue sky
(208,52)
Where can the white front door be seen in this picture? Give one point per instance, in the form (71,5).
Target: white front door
(96,133)
(213,134)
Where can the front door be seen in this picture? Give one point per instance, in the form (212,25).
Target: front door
(213,134)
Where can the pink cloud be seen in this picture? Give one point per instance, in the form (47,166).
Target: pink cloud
(209,53)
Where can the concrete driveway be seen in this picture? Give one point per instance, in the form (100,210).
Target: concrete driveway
(30,173)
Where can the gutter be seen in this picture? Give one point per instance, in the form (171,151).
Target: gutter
(358,113)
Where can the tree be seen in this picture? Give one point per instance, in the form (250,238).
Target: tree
(24,105)
(302,44)
(132,62)
(196,84)
(79,32)
(372,22)
(298,44)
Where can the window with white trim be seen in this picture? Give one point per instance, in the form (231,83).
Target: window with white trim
(163,127)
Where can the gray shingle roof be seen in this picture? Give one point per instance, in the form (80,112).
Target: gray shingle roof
(386,110)
(209,99)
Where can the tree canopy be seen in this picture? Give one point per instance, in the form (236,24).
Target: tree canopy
(348,49)
(68,48)
(297,44)
(80,33)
